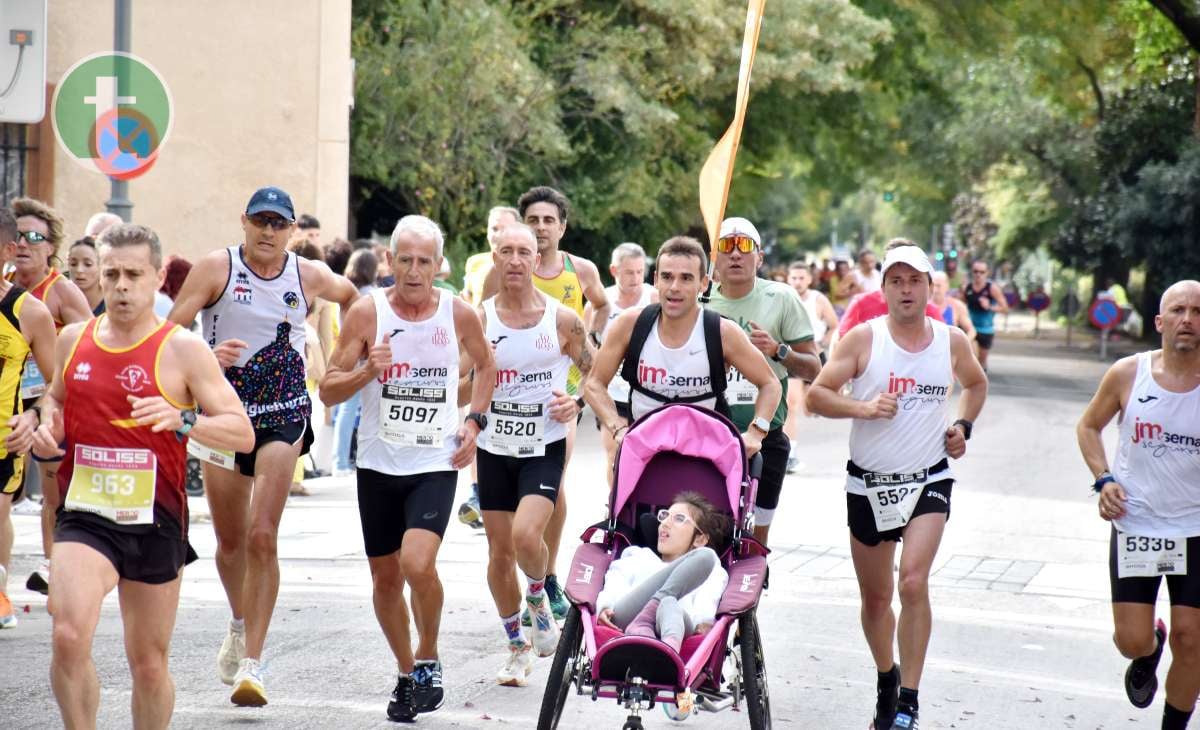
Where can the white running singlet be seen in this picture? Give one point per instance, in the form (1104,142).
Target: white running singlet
(810,307)
(1158,458)
(915,438)
(530,365)
(410,413)
(268,315)
(680,372)
(617,387)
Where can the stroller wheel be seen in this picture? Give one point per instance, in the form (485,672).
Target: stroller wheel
(682,709)
(632,723)
(563,671)
(754,672)
(194,483)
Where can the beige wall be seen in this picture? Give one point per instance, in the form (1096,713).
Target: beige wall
(261,93)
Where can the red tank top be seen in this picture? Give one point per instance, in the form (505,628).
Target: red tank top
(97,413)
(41,289)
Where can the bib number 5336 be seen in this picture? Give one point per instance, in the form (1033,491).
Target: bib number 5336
(1139,556)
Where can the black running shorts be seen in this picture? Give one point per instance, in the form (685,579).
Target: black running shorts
(12,475)
(776,447)
(861,518)
(154,555)
(984,340)
(1184,590)
(291,433)
(390,505)
(505,480)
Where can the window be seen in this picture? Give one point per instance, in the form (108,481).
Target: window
(17,155)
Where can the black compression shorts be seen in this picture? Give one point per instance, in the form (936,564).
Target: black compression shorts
(505,480)
(390,505)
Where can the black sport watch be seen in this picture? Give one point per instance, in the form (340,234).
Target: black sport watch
(480,419)
(189,420)
(781,352)
(966,428)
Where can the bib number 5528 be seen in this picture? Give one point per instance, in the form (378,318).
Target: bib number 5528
(895,495)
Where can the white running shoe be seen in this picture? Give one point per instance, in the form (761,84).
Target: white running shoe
(517,667)
(248,689)
(233,649)
(545,630)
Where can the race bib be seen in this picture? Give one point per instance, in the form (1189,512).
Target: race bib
(413,416)
(209,455)
(739,391)
(518,429)
(115,483)
(1149,557)
(894,497)
(33,383)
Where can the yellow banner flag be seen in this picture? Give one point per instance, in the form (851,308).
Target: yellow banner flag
(717,172)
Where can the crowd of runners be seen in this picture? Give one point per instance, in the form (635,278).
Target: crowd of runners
(495,381)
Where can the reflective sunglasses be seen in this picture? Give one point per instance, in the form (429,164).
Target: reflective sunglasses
(745,244)
(678,519)
(31,236)
(276,223)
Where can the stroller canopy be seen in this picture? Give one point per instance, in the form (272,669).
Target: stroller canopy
(686,430)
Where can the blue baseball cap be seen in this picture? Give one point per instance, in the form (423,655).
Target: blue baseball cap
(271,200)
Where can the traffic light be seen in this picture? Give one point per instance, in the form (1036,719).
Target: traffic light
(889,196)
(939,255)
(954,253)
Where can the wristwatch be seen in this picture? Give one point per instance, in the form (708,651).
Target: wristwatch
(966,428)
(480,420)
(761,424)
(189,420)
(781,352)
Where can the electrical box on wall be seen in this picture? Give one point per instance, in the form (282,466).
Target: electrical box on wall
(22,61)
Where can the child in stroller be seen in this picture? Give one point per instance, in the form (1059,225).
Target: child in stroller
(671,596)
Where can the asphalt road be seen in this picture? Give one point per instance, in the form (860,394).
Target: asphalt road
(1022,624)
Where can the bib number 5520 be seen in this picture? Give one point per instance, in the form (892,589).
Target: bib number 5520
(895,495)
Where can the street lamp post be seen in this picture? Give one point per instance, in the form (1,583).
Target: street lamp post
(119,201)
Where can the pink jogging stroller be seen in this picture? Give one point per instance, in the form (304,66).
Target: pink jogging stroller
(674,448)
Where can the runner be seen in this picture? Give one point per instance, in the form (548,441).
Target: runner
(571,281)
(953,311)
(824,323)
(474,274)
(984,299)
(400,347)
(902,367)
(522,450)
(40,235)
(255,297)
(121,404)
(1150,498)
(676,352)
(628,269)
(25,327)
(773,316)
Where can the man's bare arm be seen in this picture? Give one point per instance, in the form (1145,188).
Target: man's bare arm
(201,287)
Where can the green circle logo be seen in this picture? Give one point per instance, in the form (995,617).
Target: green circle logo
(112,113)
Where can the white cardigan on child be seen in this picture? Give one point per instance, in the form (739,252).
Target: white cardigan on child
(636,564)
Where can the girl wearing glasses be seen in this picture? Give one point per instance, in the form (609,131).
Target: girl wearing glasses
(671,596)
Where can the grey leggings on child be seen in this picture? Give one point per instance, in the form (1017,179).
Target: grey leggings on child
(676,579)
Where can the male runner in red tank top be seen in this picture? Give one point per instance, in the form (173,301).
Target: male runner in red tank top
(121,404)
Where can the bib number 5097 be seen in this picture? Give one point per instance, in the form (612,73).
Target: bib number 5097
(112,484)
(411,414)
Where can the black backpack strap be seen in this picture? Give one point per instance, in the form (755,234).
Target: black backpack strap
(716,361)
(637,340)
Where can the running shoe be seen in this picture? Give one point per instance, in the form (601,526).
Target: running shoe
(793,461)
(906,717)
(558,602)
(27,507)
(402,707)
(427,686)
(39,580)
(8,617)
(517,667)
(468,514)
(887,693)
(1140,680)
(248,689)
(545,631)
(233,649)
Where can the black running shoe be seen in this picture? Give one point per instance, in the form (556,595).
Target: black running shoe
(1140,680)
(427,686)
(887,692)
(402,708)
(906,717)
(39,581)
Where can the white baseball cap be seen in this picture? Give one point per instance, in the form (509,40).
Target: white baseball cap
(740,227)
(911,255)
